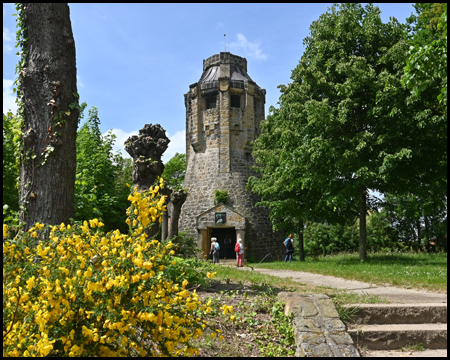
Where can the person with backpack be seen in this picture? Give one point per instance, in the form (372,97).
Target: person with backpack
(215,250)
(239,250)
(289,244)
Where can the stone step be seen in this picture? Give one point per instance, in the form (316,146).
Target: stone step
(397,336)
(404,353)
(399,313)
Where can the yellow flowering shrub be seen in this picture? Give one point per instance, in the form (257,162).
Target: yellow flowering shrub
(81,292)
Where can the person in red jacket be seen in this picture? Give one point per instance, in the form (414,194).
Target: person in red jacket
(240,253)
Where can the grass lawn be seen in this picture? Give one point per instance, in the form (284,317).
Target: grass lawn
(409,270)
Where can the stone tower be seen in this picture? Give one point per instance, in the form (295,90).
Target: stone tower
(223,112)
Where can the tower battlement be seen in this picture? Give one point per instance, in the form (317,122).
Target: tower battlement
(225,58)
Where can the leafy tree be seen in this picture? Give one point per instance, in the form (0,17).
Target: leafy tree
(343,126)
(426,77)
(48,102)
(426,67)
(174,171)
(279,188)
(122,185)
(101,190)
(11,155)
(416,220)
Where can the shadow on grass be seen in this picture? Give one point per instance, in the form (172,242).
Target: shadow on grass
(404,259)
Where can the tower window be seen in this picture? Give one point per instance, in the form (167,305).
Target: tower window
(236,101)
(210,102)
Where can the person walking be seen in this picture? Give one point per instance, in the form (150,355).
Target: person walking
(215,250)
(289,244)
(240,253)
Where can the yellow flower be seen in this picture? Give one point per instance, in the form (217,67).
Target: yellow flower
(5,231)
(31,282)
(210,275)
(227,309)
(39,226)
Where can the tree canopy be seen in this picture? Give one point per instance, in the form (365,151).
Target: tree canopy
(175,170)
(345,124)
(101,178)
(426,67)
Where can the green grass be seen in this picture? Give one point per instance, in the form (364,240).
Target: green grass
(407,270)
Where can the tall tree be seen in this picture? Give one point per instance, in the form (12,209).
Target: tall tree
(344,117)
(426,76)
(47,76)
(426,67)
(96,194)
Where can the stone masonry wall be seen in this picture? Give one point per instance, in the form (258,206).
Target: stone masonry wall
(218,154)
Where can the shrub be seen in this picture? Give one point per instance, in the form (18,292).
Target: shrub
(81,292)
(185,246)
(221,196)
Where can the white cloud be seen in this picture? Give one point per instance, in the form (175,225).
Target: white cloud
(250,49)
(79,82)
(177,143)
(9,99)
(7,41)
(121,137)
(6,34)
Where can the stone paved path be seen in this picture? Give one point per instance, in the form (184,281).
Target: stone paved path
(394,294)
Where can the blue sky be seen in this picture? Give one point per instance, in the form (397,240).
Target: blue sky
(135,62)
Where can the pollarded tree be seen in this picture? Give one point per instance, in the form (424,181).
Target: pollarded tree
(48,87)
(345,127)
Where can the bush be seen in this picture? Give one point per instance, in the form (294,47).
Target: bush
(221,196)
(324,239)
(81,292)
(185,246)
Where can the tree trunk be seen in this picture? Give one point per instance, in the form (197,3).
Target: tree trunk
(165,214)
(427,233)
(301,250)
(418,233)
(177,199)
(362,224)
(49,85)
